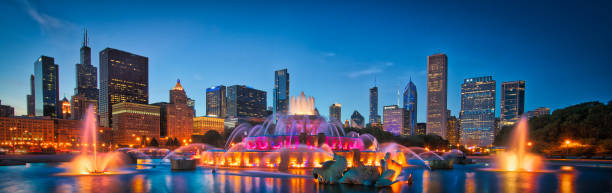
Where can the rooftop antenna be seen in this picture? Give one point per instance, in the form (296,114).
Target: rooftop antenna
(374,81)
(398,97)
(85,38)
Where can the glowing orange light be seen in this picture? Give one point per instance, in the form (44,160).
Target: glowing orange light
(567,141)
(529,144)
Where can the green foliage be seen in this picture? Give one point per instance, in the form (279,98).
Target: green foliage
(154,143)
(213,138)
(588,124)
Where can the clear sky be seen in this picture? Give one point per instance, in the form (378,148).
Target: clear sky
(333,50)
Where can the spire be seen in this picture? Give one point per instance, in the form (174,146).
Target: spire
(85,38)
(374,81)
(178,85)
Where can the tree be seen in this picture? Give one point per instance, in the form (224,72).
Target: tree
(154,143)
(213,138)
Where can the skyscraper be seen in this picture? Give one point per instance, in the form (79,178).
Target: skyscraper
(374,117)
(335,112)
(410,105)
(357,120)
(243,101)
(395,120)
(281,91)
(512,102)
(86,74)
(216,101)
(124,77)
(30,98)
(437,78)
(65,108)
(176,117)
(46,87)
(478,111)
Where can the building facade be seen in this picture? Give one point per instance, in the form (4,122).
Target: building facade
(216,102)
(133,123)
(538,112)
(26,131)
(281,91)
(374,117)
(421,129)
(79,105)
(512,102)
(201,125)
(437,80)
(46,87)
(410,105)
(124,77)
(357,120)
(395,120)
(66,109)
(335,112)
(243,101)
(176,117)
(478,111)
(453,131)
(6,111)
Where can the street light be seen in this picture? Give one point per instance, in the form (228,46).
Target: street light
(567,143)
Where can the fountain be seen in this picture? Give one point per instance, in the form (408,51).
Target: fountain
(516,157)
(90,162)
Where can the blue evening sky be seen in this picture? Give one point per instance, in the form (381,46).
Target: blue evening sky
(333,50)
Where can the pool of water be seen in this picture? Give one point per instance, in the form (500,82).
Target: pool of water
(43,178)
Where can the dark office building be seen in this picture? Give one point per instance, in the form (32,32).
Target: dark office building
(216,102)
(243,101)
(46,87)
(30,98)
(477,111)
(6,111)
(374,117)
(124,77)
(86,74)
(512,102)
(281,91)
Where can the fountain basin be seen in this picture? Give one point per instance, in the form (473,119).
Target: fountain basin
(183,164)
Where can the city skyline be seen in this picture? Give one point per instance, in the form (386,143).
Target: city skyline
(351,90)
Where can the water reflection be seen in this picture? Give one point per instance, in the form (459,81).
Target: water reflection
(566,182)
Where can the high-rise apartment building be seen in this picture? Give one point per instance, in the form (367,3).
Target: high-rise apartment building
(335,112)
(512,102)
(216,101)
(124,77)
(281,91)
(478,111)
(437,79)
(46,87)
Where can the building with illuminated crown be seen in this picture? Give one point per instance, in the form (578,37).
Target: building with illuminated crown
(176,117)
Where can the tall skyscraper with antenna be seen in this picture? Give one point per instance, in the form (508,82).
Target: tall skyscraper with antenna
(86,74)
(374,117)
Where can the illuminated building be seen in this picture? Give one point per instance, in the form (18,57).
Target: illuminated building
(26,130)
(335,112)
(410,105)
(30,98)
(538,112)
(281,91)
(65,108)
(201,125)
(395,120)
(421,129)
(86,74)
(374,117)
(133,123)
(79,104)
(46,87)
(478,111)
(68,132)
(6,111)
(357,120)
(176,117)
(124,77)
(243,101)
(216,101)
(512,102)
(453,131)
(191,104)
(437,80)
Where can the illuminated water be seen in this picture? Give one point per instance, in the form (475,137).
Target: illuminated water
(43,178)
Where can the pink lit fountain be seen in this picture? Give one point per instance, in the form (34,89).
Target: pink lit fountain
(90,162)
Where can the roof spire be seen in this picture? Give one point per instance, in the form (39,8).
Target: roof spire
(85,38)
